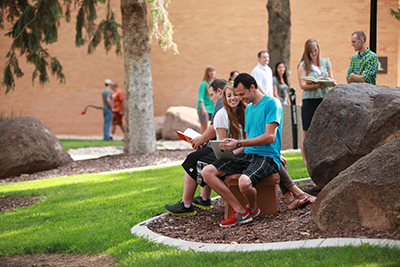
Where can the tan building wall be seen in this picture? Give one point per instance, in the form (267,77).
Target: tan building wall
(225,34)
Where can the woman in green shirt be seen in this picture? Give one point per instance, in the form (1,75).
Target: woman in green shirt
(205,107)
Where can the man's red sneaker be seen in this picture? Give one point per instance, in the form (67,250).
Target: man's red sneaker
(253,213)
(237,218)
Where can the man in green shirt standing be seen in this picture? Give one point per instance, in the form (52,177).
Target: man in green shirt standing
(363,65)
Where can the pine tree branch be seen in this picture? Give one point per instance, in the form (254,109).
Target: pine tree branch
(395,14)
(29,33)
(27,24)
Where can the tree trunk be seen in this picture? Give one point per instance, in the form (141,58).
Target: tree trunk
(279,33)
(140,137)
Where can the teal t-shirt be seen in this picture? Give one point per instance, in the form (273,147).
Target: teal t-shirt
(203,97)
(266,111)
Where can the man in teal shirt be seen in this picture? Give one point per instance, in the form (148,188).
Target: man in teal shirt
(261,157)
(363,65)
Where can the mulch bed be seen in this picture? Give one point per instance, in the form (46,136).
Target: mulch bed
(287,225)
(11,203)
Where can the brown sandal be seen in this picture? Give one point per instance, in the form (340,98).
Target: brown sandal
(299,204)
(311,198)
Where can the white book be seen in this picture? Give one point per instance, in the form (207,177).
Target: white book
(326,80)
(188,135)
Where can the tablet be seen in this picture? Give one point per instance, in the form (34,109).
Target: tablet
(219,152)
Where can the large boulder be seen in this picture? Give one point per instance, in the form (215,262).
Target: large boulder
(158,125)
(179,119)
(367,194)
(352,121)
(28,146)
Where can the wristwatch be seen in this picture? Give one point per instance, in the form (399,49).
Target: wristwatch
(239,144)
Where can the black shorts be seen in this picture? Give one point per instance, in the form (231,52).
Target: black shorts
(307,111)
(252,165)
(196,161)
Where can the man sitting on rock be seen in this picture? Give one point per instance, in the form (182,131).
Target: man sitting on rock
(261,157)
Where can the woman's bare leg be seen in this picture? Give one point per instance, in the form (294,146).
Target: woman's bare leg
(302,147)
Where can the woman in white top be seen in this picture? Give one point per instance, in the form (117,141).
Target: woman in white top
(227,124)
(229,120)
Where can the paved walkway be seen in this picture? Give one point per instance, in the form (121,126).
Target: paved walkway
(96,152)
(142,230)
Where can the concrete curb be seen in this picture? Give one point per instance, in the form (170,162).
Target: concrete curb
(142,230)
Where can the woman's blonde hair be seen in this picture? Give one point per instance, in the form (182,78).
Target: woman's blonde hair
(236,117)
(208,79)
(308,47)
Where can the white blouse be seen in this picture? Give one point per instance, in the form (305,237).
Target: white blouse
(221,120)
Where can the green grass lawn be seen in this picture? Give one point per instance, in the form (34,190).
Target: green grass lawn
(94,213)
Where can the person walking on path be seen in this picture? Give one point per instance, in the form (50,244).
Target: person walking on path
(363,65)
(118,111)
(107,109)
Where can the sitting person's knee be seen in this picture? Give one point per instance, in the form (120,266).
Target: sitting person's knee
(208,172)
(244,183)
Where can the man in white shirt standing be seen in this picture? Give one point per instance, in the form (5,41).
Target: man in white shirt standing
(263,74)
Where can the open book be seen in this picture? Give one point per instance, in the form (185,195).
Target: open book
(188,135)
(326,80)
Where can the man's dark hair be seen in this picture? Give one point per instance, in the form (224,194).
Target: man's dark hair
(246,79)
(261,52)
(218,83)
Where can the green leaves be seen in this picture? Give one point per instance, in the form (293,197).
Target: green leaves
(36,24)
(108,32)
(11,69)
(56,70)
(395,14)
(159,17)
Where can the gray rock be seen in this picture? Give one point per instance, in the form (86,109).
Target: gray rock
(158,125)
(179,119)
(351,121)
(28,146)
(367,194)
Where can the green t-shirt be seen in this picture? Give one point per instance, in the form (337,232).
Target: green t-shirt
(203,97)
